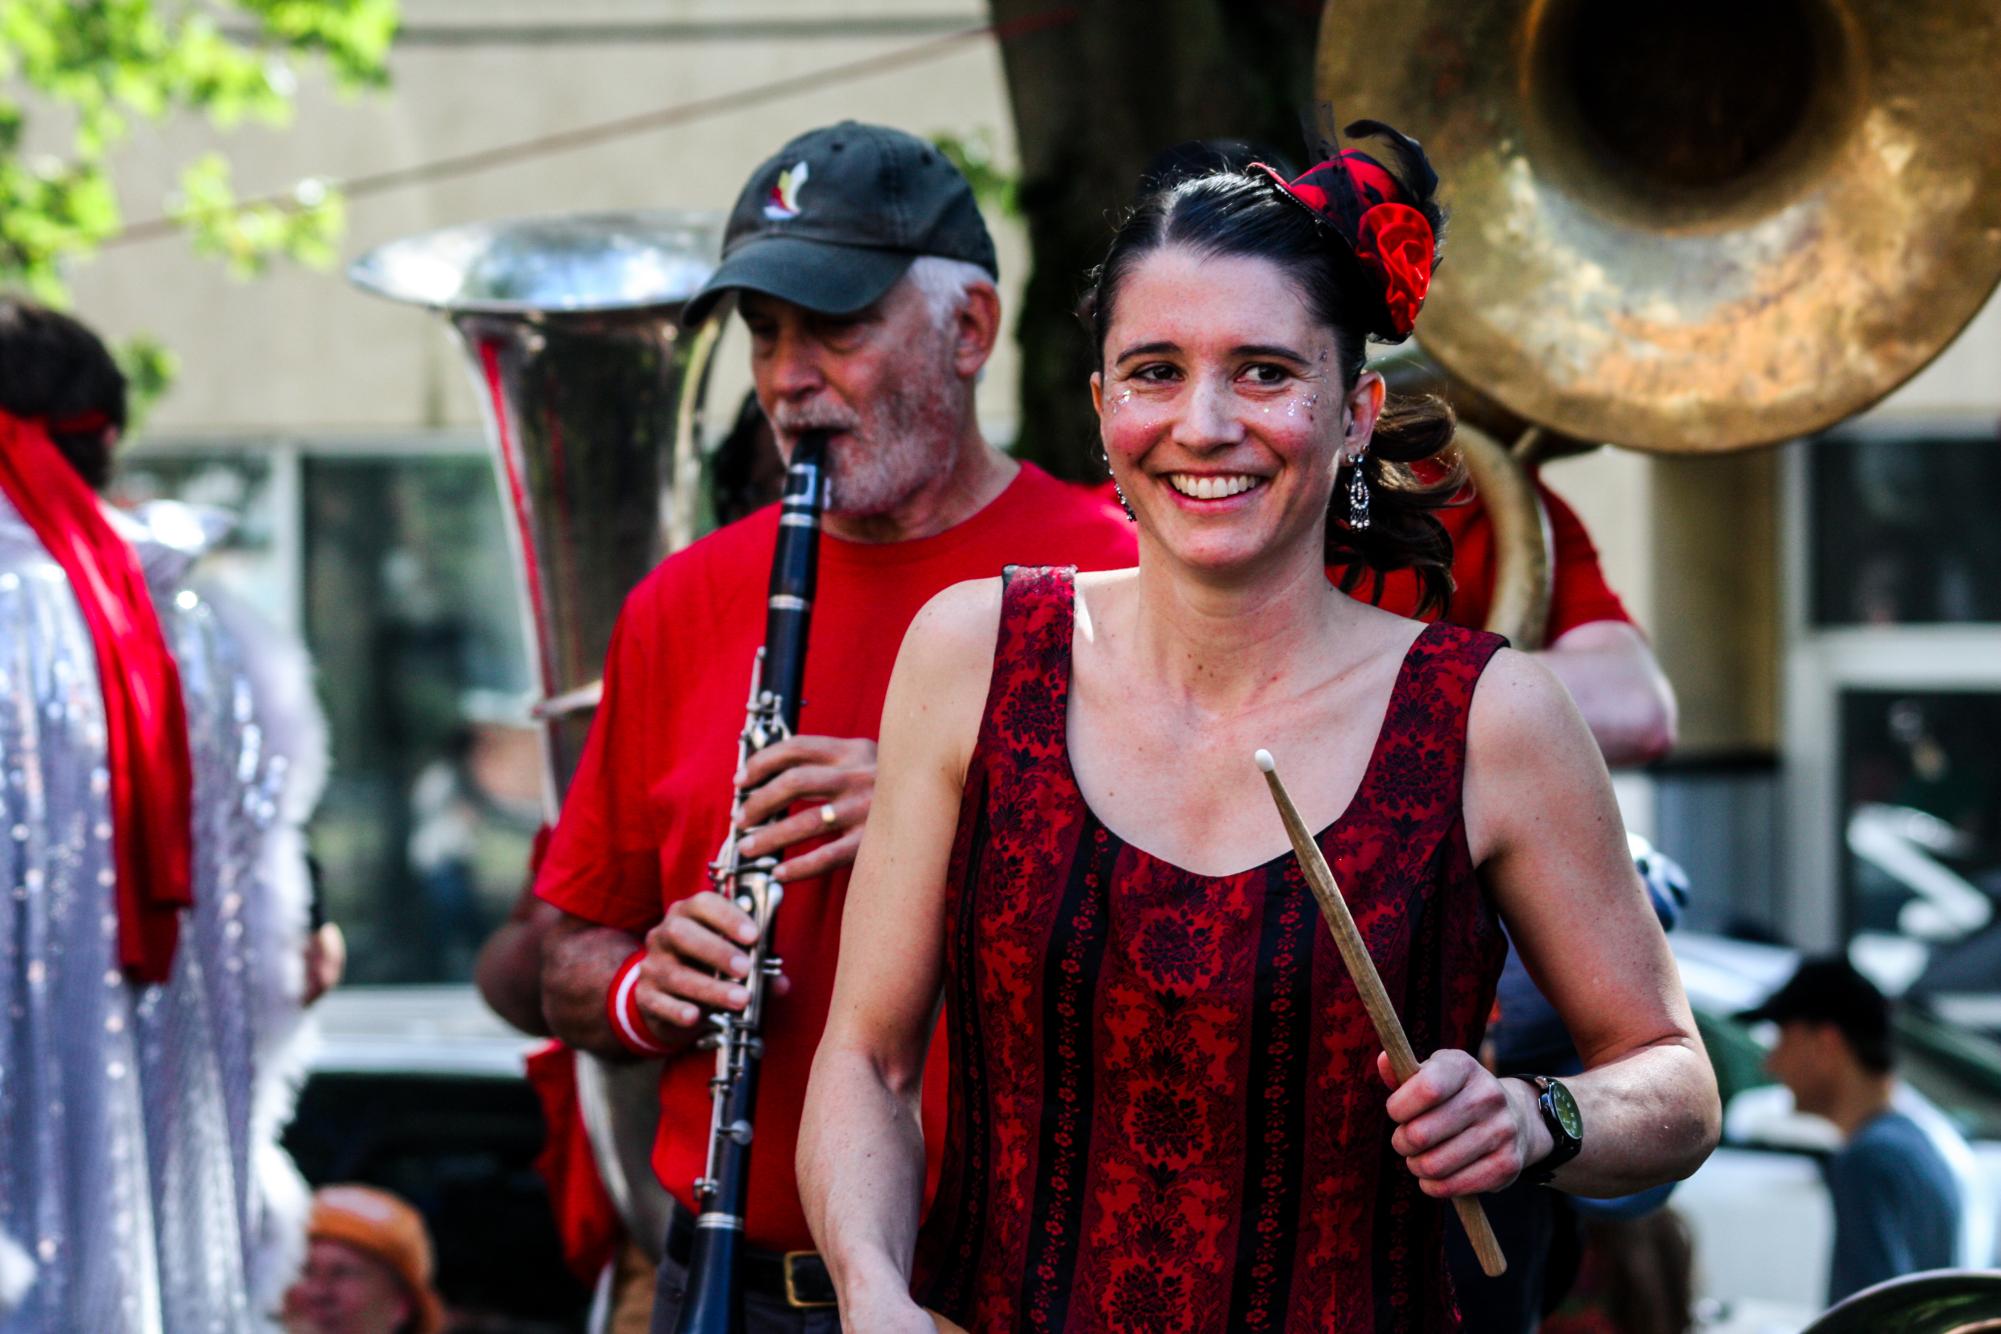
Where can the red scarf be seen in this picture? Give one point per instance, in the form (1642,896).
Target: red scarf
(145,721)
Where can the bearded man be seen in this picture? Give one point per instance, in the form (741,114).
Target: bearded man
(866,279)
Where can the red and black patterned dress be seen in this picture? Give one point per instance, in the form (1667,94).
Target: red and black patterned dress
(1165,1113)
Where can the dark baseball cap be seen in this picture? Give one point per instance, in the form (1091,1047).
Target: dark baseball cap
(833,219)
(1830,991)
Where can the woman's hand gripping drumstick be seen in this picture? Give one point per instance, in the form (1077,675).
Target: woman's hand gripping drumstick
(1355,954)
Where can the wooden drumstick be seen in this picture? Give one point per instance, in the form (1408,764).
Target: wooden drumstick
(1375,999)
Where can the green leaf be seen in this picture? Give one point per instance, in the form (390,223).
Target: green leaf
(95,67)
(974,156)
(150,370)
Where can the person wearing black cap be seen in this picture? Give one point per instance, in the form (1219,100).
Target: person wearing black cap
(1897,1206)
(865,276)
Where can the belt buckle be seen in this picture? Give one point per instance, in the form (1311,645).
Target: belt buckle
(792,1297)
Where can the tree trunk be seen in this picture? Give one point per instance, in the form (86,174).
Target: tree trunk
(1095,97)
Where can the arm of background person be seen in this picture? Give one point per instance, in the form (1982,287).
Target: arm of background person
(579,960)
(861,1145)
(1543,824)
(1609,670)
(508,971)
(1593,647)
(696,955)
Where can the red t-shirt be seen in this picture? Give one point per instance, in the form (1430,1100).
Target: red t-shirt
(650,802)
(1578,592)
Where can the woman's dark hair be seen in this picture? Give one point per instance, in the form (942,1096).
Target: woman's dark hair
(1233,213)
(53,368)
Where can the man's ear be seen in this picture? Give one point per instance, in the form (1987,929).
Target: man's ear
(975,329)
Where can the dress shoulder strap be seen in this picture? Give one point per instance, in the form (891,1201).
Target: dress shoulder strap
(1030,689)
(1424,734)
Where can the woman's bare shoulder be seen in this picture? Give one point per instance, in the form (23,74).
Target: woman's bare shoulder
(958,625)
(1517,702)
(1531,764)
(948,651)
(942,672)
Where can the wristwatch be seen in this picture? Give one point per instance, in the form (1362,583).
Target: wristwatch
(1566,1128)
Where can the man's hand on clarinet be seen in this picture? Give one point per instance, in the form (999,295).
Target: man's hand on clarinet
(697,958)
(701,937)
(834,777)
(1460,1130)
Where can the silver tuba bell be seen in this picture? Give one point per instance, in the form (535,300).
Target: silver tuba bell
(591,391)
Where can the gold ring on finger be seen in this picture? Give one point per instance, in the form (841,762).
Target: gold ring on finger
(828,817)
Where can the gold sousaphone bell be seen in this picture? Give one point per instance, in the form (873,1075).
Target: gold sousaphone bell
(1690,227)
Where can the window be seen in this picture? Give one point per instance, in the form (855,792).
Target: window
(411,616)
(244,485)
(1904,531)
(1921,805)
(392,563)
(1893,709)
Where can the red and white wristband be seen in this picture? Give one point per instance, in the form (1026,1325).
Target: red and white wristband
(621,1005)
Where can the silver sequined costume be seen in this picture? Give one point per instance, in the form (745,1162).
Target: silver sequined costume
(141,1187)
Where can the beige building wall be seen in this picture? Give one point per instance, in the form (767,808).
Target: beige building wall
(300,352)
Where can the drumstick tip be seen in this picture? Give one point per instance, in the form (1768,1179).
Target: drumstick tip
(1265,761)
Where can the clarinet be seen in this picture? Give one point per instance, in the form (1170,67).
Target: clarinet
(714,1302)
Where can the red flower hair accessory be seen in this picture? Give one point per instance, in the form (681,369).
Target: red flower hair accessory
(1396,241)
(1353,194)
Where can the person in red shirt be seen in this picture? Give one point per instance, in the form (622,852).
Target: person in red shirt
(866,279)
(1592,644)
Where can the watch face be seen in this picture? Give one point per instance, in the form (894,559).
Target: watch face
(1566,1111)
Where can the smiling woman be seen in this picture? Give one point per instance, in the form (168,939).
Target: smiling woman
(1277,263)
(1169,1107)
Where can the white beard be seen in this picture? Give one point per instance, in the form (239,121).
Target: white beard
(902,441)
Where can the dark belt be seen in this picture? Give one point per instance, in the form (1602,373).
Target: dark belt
(797,1278)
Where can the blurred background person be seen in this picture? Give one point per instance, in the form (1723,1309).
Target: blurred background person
(1897,1204)
(1638,1277)
(160,750)
(368,1270)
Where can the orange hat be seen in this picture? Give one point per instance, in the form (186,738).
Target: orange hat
(383,1226)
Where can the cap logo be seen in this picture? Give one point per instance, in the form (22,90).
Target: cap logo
(783,201)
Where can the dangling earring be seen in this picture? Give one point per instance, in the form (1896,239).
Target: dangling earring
(1118,490)
(1358,495)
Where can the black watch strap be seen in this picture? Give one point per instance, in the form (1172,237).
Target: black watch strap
(1566,1128)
